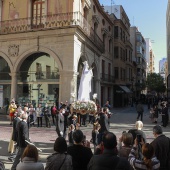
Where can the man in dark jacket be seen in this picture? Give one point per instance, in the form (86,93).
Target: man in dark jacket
(104,123)
(23,134)
(108,159)
(140,110)
(16,120)
(81,155)
(161,145)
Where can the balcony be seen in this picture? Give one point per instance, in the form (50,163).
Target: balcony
(33,76)
(107,78)
(55,21)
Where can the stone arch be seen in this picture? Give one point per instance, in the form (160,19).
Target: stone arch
(30,51)
(7,59)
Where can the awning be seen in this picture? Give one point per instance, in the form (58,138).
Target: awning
(125,89)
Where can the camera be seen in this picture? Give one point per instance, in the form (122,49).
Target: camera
(139,138)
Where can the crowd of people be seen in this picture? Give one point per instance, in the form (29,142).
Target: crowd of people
(130,151)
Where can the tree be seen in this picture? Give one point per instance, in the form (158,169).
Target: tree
(155,82)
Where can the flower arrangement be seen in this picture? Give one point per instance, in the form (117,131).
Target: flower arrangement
(84,107)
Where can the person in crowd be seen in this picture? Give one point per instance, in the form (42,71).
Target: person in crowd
(91,118)
(12,109)
(159,106)
(152,114)
(138,131)
(140,110)
(104,123)
(23,134)
(84,118)
(155,114)
(161,145)
(70,134)
(165,117)
(74,120)
(149,161)
(80,155)
(94,134)
(39,115)
(60,159)
(127,140)
(47,114)
(107,105)
(29,159)
(60,122)
(31,112)
(53,113)
(85,142)
(108,159)
(13,142)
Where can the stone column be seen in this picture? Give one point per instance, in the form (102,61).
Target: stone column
(68,86)
(13,85)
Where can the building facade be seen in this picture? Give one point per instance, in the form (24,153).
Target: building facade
(168,34)
(150,57)
(42,47)
(163,68)
(139,54)
(123,63)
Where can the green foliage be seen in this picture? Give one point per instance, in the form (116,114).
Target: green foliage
(155,82)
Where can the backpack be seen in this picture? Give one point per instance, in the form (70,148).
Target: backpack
(2,167)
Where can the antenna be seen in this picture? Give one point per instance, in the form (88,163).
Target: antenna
(112,2)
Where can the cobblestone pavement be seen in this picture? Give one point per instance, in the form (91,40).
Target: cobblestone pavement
(122,119)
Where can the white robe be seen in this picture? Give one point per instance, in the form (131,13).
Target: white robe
(85,84)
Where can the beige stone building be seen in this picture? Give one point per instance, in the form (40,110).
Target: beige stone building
(139,55)
(42,47)
(123,63)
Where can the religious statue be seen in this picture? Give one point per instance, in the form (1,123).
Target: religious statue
(85,83)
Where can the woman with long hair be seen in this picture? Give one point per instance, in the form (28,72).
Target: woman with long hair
(29,160)
(149,161)
(59,160)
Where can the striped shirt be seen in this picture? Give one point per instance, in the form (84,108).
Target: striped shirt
(139,164)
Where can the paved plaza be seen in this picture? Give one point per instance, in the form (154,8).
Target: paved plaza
(122,119)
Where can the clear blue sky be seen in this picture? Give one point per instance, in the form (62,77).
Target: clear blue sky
(150,17)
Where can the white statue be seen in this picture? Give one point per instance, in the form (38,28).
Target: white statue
(85,83)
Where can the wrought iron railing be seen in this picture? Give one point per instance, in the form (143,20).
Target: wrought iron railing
(107,78)
(35,76)
(51,22)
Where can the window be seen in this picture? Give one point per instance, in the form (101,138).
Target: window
(121,53)
(126,55)
(103,67)
(104,40)
(38,10)
(110,46)
(116,72)
(48,72)
(116,31)
(121,36)
(116,52)
(109,71)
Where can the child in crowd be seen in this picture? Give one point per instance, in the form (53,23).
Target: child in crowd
(152,114)
(95,132)
(70,134)
(74,120)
